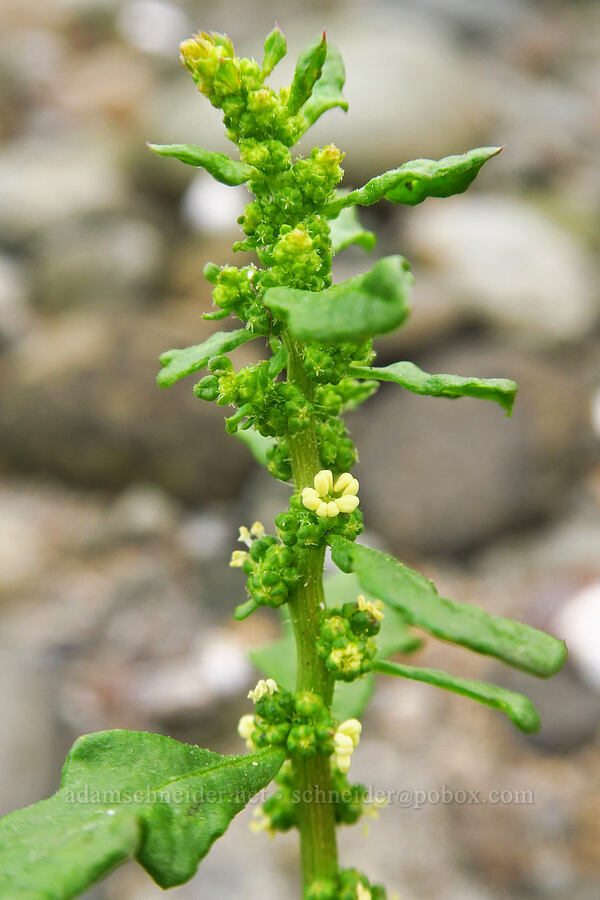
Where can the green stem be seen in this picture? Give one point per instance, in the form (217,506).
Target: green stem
(316,812)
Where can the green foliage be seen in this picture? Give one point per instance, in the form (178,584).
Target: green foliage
(275,50)
(179,363)
(220,166)
(308,71)
(327,92)
(127,794)
(518,708)
(258,445)
(415,181)
(288,408)
(346,230)
(470,626)
(409,376)
(358,308)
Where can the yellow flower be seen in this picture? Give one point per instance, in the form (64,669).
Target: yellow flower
(328,499)
(262,688)
(245,729)
(362,893)
(238,558)
(345,741)
(373,607)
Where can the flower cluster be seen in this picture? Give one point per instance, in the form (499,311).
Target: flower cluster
(346,642)
(298,721)
(328,499)
(300,528)
(271,567)
(350,885)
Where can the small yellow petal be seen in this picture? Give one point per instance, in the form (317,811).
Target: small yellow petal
(321,510)
(347,504)
(257,530)
(246,726)
(352,728)
(343,742)
(323,482)
(310,498)
(373,607)
(244,537)
(332,509)
(351,488)
(342,482)
(343,763)
(238,558)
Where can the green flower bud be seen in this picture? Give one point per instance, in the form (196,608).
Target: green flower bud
(207,388)
(302,741)
(309,706)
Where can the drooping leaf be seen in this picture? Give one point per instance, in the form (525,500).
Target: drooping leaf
(416,180)
(461,623)
(227,171)
(327,92)
(127,794)
(275,50)
(518,708)
(258,445)
(179,363)
(308,71)
(277,659)
(360,307)
(347,230)
(409,376)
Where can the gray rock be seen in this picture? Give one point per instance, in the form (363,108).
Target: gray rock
(142,511)
(441,113)
(45,180)
(14,314)
(28,744)
(457,472)
(507,263)
(80,401)
(102,260)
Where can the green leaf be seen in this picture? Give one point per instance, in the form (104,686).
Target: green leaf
(351,698)
(179,363)
(258,445)
(327,92)
(416,180)
(275,50)
(226,170)
(126,794)
(409,376)
(347,230)
(460,623)
(360,307)
(308,71)
(518,708)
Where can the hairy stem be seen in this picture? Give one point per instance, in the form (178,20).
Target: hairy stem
(316,812)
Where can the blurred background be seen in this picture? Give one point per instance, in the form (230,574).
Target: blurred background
(120,504)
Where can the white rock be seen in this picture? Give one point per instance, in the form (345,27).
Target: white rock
(43,180)
(509,263)
(579,623)
(152,25)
